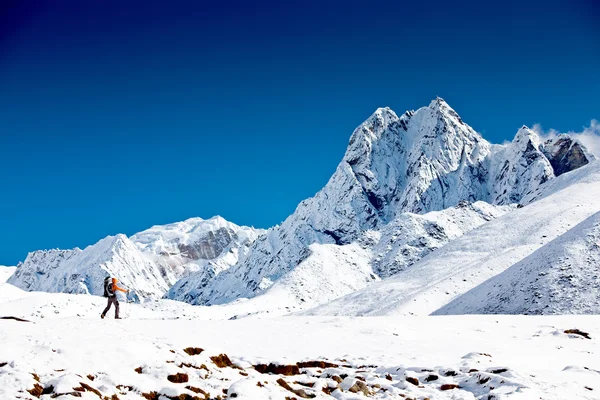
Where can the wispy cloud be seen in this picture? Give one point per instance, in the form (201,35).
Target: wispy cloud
(589,136)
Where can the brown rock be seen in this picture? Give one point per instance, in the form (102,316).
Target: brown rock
(317,364)
(483,380)
(15,319)
(193,351)
(286,370)
(328,389)
(204,367)
(412,380)
(360,386)
(185,396)
(195,390)
(222,361)
(449,386)
(307,384)
(37,390)
(298,392)
(178,378)
(578,332)
(87,388)
(498,371)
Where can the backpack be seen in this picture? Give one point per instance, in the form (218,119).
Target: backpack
(108,287)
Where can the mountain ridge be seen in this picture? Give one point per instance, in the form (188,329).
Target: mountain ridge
(425,160)
(406,186)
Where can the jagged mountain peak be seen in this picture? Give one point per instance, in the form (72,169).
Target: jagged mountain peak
(525,137)
(371,129)
(118,243)
(430,128)
(442,110)
(439,104)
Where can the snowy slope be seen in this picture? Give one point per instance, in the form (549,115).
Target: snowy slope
(480,254)
(329,271)
(423,161)
(7,291)
(6,272)
(562,277)
(410,237)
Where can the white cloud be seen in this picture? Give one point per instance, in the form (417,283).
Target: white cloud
(589,136)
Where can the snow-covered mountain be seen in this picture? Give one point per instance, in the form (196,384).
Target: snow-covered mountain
(483,253)
(83,271)
(406,187)
(196,244)
(331,271)
(148,263)
(423,161)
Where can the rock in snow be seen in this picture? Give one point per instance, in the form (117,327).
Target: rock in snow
(406,186)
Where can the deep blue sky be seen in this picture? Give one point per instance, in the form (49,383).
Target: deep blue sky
(117,115)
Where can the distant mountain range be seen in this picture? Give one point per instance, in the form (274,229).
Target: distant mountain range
(420,211)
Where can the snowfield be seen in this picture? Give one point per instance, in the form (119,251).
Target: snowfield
(455,357)
(165,349)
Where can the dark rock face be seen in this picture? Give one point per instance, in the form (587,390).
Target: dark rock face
(209,247)
(565,154)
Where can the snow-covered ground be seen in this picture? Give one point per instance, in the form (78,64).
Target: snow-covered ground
(65,348)
(487,357)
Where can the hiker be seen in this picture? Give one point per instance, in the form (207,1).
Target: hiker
(110,291)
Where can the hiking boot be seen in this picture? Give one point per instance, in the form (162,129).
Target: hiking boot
(102,316)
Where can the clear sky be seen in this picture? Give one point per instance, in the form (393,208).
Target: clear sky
(118,115)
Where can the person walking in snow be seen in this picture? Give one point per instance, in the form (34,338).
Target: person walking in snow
(110,291)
